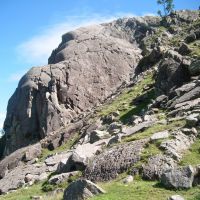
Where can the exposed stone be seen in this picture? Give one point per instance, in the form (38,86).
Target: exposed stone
(132,130)
(115,160)
(60,178)
(156,166)
(114,128)
(80,156)
(178,178)
(97,135)
(32,152)
(194,68)
(82,189)
(115,139)
(160,135)
(15,178)
(191,121)
(128,179)
(176,197)
(184,49)
(50,97)
(176,146)
(185,88)
(171,74)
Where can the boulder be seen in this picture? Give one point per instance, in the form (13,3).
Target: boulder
(191,121)
(175,197)
(113,161)
(194,68)
(115,139)
(171,75)
(178,145)
(178,178)
(156,165)
(97,135)
(184,49)
(127,131)
(160,135)
(128,179)
(80,156)
(32,152)
(16,177)
(82,189)
(60,178)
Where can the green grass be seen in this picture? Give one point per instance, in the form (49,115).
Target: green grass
(24,193)
(195,46)
(192,156)
(124,102)
(69,143)
(155,128)
(142,190)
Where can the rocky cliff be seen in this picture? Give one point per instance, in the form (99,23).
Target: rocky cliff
(119,101)
(88,66)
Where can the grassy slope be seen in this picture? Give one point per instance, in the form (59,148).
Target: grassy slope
(124,102)
(142,190)
(139,189)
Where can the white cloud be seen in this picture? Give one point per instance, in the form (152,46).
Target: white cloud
(36,50)
(15,77)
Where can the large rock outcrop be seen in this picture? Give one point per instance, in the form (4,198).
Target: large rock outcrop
(89,65)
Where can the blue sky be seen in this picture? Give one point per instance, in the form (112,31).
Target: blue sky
(30,29)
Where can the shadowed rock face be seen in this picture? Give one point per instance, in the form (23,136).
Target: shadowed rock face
(89,65)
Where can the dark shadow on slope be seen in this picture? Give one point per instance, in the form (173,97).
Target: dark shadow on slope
(139,104)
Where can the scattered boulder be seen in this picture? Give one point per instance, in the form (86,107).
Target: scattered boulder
(171,75)
(191,121)
(160,135)
(128,179)
(178,178)
(60,178)
(115,139)
(32,152)
(113,161)
(82,189)
(178,145)
(184,49)
(194,68)
(139,127)
(156,165)
(190,38)
(176,197)
(97,135)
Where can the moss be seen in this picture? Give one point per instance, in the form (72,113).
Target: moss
(69,143)
(192,156)
(124,102)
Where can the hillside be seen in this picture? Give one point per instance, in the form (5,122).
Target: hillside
(114,115)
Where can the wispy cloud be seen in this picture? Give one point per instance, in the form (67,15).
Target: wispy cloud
(37,49)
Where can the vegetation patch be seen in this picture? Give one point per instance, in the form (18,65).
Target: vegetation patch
(192,156)
(140,190)
(124,102)
(155,128)
(69,143)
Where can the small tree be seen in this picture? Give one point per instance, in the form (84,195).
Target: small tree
(168,7)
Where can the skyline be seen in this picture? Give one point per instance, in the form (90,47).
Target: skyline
(30,32)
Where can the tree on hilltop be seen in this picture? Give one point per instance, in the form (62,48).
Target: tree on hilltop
(168,7)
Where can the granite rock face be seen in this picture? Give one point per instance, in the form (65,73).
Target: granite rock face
(89,65)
